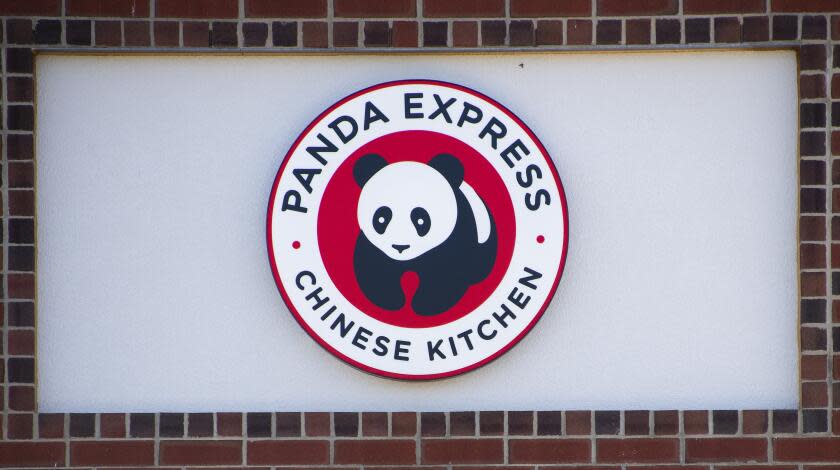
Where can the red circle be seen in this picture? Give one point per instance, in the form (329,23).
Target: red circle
(540,238)
(326,345)
(338,226)
(295,244)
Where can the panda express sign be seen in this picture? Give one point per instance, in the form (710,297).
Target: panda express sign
(417,229)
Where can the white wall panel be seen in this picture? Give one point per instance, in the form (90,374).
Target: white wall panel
(155,292)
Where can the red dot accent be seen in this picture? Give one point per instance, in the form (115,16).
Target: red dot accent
(540,238)
(295,244)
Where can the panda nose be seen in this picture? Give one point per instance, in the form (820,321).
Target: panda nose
(400,248)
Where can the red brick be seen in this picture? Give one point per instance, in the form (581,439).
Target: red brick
(315,34)
(666,422)
(289,452)
(166,33)
(19,31)
(375,8)
(726,450)
(197,9)
(21,397)
(375,452)
(811,255)
(464,34)
(44,454)
(112,453)
(375,424)
(549,32)
(196,33)
(463,8)
(728,29)
(521,33)
(813,86)
(814,394)
(493,33)
(636,422)
(795,6)
(404,34)
(345,34)
(814,367)
(22,342)
(112,424)
(825,449)
(835,88)
(812,57)
(229,424)
(636,7)
(286,9)
(549,450)
(108,33)
(122,8)
(432,424)
(710,7)
(51,426)
(21,286)
(542,8)
(200,452)
(223,34)
(638,31)
(835,142)
(20,89)
(812,284)
(836,369)
(136,33)
(637,450)
(403,424)
(579,32)
(462,451)
(317,424)
(30,7)
(20,426)
(22,202)
(667,31)
(812,339)
(20,146)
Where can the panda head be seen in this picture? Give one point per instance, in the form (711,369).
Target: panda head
(407,208)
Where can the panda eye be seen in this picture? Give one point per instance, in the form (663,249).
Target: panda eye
(381,219)
(420,219)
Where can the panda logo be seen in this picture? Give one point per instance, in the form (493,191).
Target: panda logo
(416,229)
(423,218)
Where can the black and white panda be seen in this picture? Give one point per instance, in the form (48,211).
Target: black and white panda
(423,218)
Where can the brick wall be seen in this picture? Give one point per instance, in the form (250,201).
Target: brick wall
(698,439)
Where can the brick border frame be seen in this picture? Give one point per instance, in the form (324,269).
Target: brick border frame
(457,439)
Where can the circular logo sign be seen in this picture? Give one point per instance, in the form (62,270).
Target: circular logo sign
(417,229)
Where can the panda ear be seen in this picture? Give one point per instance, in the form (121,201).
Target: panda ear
(367,166)
(450,167)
